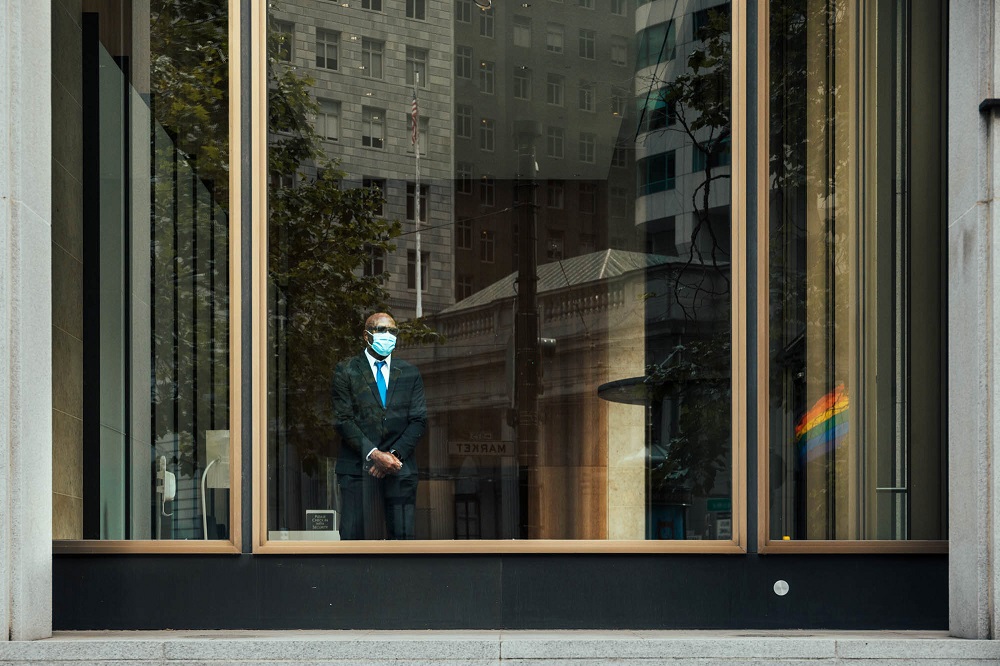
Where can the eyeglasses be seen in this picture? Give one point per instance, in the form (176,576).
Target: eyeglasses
(383,329)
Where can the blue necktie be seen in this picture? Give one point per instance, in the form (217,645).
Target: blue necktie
(380,380)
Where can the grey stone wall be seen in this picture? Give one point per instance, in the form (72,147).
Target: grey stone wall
(25,321)
(973,322)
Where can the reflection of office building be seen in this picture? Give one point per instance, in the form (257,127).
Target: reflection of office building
(682,133)
(564,69)
(364,62)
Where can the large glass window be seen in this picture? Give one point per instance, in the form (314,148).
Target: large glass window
(141,271)
(854,403)
(557,375)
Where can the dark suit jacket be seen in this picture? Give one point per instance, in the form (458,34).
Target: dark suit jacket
(364,424)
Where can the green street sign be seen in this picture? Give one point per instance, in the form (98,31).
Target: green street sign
(720,504)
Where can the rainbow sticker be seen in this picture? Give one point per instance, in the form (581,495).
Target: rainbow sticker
(823,428)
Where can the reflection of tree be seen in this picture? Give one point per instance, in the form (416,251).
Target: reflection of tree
(693,380)
(189,99)
(699,106)
(189,78)
(805,158)
(320,233)
(320,236)
(810,250)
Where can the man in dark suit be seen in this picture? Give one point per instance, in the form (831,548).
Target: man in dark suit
(380,412)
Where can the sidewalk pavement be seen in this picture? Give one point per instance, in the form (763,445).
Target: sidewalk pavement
(479,648)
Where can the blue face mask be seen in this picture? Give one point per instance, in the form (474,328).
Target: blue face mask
(383,343)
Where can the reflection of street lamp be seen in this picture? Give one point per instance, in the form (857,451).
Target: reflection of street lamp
(484,4)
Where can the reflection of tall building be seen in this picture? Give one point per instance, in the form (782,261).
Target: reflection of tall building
(566,69)
(682,136)
(682,154)
(364,57)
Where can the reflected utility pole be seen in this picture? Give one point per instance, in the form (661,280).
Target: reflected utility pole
(414,117)
(526,326)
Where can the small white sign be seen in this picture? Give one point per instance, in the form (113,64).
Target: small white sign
(481,448)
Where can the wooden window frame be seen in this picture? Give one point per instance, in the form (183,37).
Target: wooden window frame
(735,545)
(765,544)
(234,544)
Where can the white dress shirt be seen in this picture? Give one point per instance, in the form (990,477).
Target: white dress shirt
(385,375)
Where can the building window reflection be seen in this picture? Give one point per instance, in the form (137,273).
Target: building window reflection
(371,57)
(372,127)
(576,379)
(487,246)
(554,38)
(327,49)
(486,23)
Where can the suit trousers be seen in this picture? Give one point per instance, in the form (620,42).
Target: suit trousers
(373,508)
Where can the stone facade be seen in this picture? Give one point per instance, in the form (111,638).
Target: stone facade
(973,323)
(26,316)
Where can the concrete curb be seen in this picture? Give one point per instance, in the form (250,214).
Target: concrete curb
(576,648)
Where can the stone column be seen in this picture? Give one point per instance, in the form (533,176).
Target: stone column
(973,321)
(25,320)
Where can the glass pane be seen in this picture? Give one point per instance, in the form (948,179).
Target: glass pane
(562,299)
(848,357)
(145,453)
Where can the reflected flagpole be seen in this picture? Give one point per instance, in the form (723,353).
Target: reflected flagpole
(415,138)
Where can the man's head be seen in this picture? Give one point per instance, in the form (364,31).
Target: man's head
(380,334)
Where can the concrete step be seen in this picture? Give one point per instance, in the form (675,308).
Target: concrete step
(562,648)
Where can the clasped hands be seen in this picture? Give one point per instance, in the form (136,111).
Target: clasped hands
(383,464)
